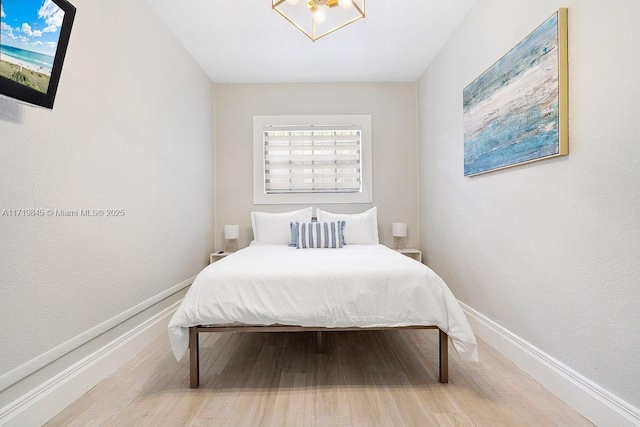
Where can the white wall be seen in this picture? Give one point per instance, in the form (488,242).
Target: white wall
(131,129)
(392,107)
(548,250)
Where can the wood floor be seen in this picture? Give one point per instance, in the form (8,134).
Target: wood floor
(376,378)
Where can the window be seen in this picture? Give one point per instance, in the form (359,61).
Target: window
(312,159)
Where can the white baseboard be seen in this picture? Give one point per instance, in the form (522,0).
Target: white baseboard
(592,401)
(42,360)
(47,400)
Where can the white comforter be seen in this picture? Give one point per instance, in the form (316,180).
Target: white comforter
(357,285)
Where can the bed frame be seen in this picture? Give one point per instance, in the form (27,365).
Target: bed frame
(194,342)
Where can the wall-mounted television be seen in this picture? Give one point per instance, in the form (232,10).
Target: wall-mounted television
(34,35)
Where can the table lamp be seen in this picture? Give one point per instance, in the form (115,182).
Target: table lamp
(399,231)
(232,234)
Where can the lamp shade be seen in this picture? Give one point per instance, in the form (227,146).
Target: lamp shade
(231,231)
(399,229)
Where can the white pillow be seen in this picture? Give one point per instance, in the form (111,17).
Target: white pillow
(275,228)
(360,229)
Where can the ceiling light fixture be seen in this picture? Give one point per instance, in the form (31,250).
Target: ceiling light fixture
(317,18)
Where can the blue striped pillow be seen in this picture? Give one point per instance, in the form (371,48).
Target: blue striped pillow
(318,234)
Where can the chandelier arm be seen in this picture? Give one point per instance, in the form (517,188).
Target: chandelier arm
(341,26)
(313,30)
(294,24)
(360,11)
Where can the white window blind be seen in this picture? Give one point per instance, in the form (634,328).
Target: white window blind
(312,159)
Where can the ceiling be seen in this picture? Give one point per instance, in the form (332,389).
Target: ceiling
(245,41)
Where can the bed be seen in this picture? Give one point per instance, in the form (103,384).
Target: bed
(275,287)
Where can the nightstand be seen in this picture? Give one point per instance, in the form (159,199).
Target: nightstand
(412,253)
(216,256)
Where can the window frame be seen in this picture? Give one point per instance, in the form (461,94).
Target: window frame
(260,123)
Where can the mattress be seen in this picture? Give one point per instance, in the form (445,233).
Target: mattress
(354,286)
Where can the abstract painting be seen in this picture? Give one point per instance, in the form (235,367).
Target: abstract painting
(517,111)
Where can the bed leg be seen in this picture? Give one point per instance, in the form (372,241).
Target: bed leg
(320,347)
(444,357)
(194,347)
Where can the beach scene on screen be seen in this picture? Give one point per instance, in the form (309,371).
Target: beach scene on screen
(29,34)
